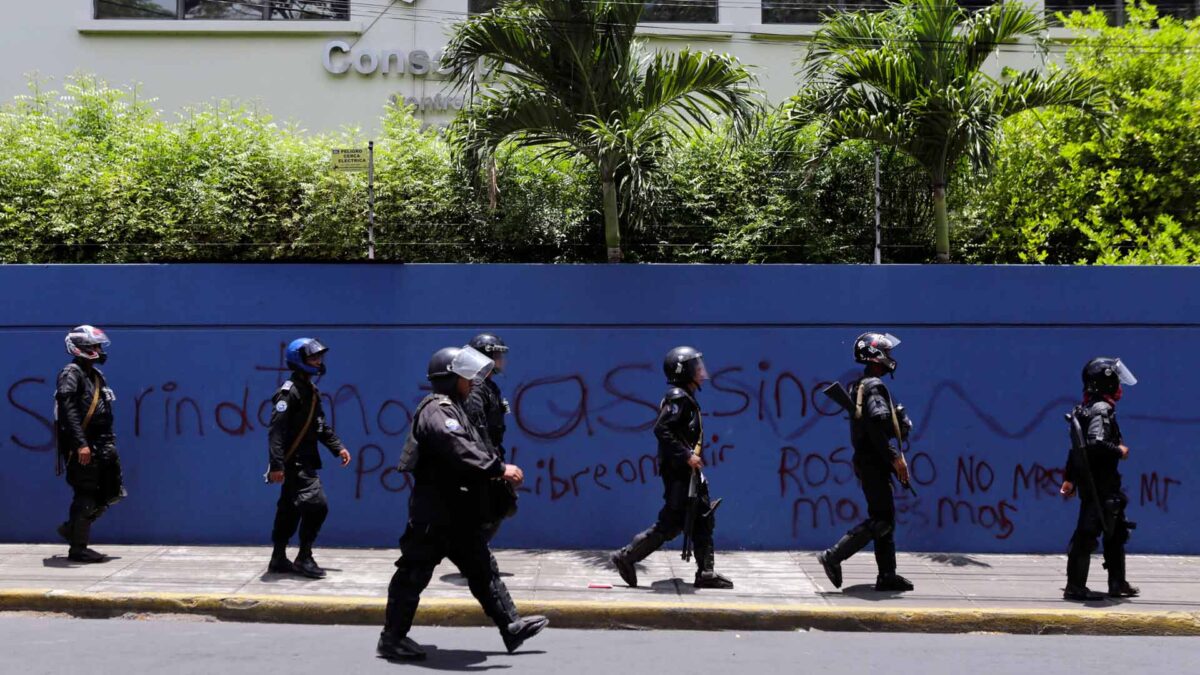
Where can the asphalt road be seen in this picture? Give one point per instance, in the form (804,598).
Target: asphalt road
(38,644)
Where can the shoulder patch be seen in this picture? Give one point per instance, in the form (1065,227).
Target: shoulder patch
(442,399)
(452,424)
(281,406)
(287,386)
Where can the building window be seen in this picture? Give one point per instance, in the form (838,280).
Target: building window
(657,11)
(807,11)
(137,9)
(680,11)
(481,6)
(252,10)
(1115,9)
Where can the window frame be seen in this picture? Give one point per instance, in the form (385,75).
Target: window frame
(716,20)
(181,12)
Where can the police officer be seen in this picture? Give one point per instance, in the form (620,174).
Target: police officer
(451,466)
(679,433)
(86,443)
(486,407)
(297,423)
(877,428)
(1092,472)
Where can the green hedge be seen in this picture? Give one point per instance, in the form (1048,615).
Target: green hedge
(94,174)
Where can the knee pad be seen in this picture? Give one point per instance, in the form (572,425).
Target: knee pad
(881,528)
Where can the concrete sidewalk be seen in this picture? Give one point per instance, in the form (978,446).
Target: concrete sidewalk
(774,590)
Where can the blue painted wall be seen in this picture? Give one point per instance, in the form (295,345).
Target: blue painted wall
(989,362)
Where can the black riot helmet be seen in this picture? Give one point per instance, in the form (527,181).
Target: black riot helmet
(872,347)
(1104,375)
(682,365)
(449,363)
(490,346)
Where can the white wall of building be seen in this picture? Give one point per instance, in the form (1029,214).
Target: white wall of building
(281,66)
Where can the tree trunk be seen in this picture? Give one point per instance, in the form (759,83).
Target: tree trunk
(941,228)
(612,223)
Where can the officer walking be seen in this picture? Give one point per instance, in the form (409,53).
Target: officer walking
(448,508)
(680,433)
(297,423)
(486,407)
(1097,448)
(86,443)
(877,428)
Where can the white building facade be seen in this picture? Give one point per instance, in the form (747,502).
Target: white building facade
(326,64)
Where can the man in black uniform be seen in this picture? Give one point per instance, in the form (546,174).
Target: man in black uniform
(451,466)
(877,428)
(486,407)
(1097,448)
(86,443)
(680,433)
(297,423)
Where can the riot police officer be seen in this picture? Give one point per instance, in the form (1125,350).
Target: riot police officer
(448,508)
(680,433)
(297,424)
(86,443)
(486,407)
(877,429)
(1097,448)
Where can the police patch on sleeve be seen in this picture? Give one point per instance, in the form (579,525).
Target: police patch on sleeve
(281,406)
(673,408)
(452,425)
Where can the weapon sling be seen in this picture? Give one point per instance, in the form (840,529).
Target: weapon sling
(87,419)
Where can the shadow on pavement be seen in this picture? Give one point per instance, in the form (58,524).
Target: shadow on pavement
(596,559)
(456,579)
(953,559)
(868,592)
(63,562)
(461,660)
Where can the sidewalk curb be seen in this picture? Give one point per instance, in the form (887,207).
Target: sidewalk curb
(311,609)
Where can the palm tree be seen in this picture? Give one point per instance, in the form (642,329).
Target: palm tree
(911,77)
(575,81)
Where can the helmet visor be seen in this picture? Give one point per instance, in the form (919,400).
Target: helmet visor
(1124,373)
(313,348)
(699,370)
(887,342)
(469,364)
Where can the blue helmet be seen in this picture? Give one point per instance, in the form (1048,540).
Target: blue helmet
(302,348)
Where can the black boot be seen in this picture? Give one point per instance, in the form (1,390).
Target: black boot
(1079,562)
(306,566)
(281,565)
(833,568)
(1118,587)
(521,630)
(852,542)
(1081,594)
(1123,589)
(626,559)
(399,649)
(710,579)
(84,555)
(625,568)
(892,582)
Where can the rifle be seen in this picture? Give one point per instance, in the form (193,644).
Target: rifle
(697,500)
(838,394)
(1080,455)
